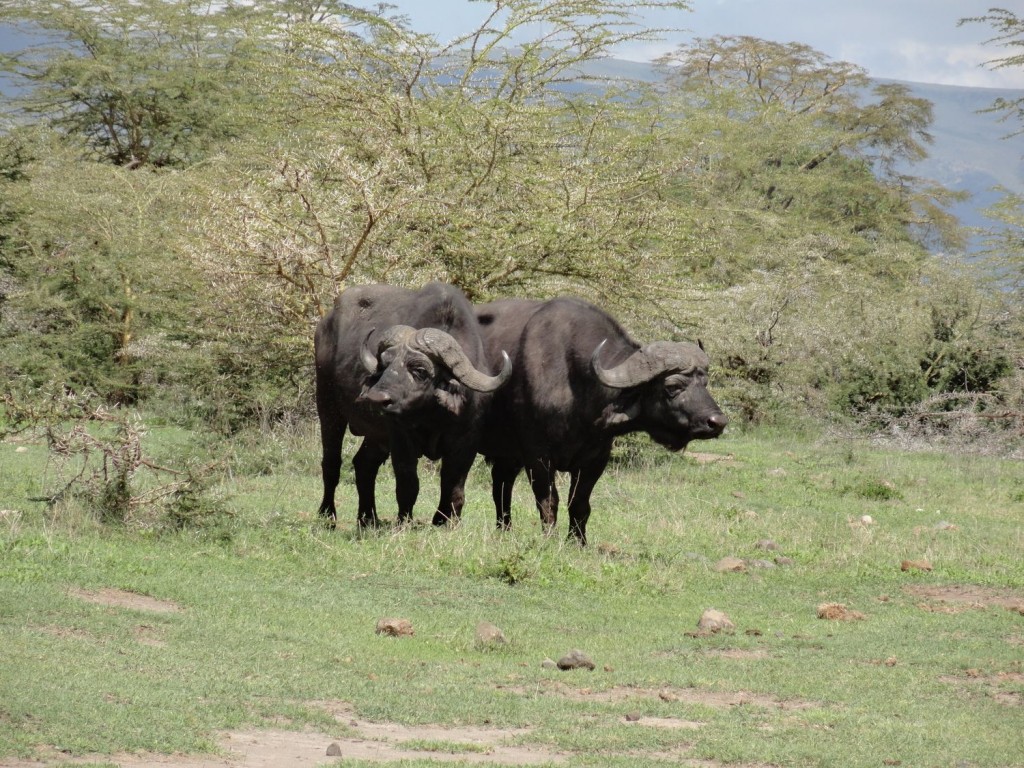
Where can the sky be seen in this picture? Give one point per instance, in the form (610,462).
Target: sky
(914,40)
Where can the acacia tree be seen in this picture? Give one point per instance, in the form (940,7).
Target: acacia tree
(142,83)
(488,161)
(90,255)
(1009,34)
(1004,240)
(828,300)
(807,136)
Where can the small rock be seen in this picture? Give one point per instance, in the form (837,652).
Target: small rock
(632,717)
(395,628)
(838,612)
(867,520)
(549,664)
(21,449)
(488,634)
(945,526)
(575,659)
(783,560)
(915,565)
(334,750)
(767,544)
(713,620)
(730,565)
(761,564)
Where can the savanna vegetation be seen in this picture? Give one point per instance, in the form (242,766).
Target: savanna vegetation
(184,189)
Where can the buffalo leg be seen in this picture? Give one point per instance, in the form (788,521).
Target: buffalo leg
(407,483)
(454,470)
(366,463)
(542,479)
(332,432)
(503,477)
(580,488)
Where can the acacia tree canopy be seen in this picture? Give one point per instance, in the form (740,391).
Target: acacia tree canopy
(219,172)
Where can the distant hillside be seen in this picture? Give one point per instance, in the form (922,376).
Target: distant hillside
(968,145)
(969,152)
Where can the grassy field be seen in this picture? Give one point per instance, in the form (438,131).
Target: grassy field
(121,645)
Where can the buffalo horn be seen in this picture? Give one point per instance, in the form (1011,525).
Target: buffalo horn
(396,334)
(442,346)
(645,364)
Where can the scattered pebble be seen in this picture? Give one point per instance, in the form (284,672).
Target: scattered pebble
(783,560)
(395,628)
(945,526)
(767,544)
(575,659)
(761,564)
(549,664)
(713,620)
(730,564)
(334,749)
(915,565)
(488,634)
(838,612)
(867,520)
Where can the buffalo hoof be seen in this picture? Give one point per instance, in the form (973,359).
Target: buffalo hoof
(440,518)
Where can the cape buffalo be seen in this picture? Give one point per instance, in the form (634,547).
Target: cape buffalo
(402,368)
(579,381)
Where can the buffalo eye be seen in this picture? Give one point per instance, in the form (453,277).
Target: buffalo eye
(674,388)
(419,373)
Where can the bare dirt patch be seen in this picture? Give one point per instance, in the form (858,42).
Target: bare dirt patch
(383,742)
(995,686)
(711,458)
(739,654)
(354,740)
(120,598)
(691,696)
(672,723)
(64,632)
(954,598)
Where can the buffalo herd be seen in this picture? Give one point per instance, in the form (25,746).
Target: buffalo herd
(544,386)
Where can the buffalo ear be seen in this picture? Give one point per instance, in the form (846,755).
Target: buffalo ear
(451,397)
(615,417)
(700,345)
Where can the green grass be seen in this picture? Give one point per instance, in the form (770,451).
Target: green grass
(277,615)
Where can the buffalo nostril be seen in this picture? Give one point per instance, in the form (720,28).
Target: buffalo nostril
(376,398)
(718,421)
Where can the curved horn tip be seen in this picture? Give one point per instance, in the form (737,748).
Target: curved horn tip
(506,367)
(483,383)
(366,357)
